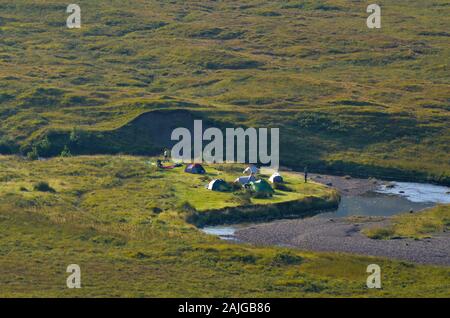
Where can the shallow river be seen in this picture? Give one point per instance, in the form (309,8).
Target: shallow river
(385,201)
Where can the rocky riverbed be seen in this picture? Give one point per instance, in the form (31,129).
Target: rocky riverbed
(342,235)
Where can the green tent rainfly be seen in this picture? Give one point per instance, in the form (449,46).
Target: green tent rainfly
(262,188)
(218,185)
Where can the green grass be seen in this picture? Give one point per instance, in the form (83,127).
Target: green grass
(348,100)
(128,186)
(102,217)
(414,225)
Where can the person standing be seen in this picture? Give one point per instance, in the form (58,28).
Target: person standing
(305,171)
(166,155)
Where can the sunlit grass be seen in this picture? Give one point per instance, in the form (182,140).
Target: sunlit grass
(102,217)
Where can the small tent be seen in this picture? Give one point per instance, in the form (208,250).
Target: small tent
(195,168)
(251,170)
(245,180)
(276,178)
(218,185)
(262,188)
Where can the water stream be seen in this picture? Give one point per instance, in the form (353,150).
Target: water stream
(386,200)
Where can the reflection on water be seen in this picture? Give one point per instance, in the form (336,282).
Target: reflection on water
(375,204)
(399,197)
(417,192)
(223,231)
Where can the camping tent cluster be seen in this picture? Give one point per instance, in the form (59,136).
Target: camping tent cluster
(260,187)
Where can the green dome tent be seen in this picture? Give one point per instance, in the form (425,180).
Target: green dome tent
(262,188)
(218,185)
(195,168)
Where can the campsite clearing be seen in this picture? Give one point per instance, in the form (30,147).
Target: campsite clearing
(122,220)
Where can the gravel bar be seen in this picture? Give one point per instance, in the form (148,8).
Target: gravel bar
(341,235)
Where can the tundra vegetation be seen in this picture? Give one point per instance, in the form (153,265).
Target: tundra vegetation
(418,225)
(121,220)
(347,99)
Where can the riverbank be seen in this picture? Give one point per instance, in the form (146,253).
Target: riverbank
(348,235)
(304,207)
(120,219)
(346,184)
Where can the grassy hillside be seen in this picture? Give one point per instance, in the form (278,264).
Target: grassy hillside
(347,99)
(121,221)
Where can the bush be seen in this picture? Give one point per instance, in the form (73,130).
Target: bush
(140,255)
(66,152)
(287,258)
(282,187)
(43,187)
(33,154)
(243,198)
(379,233)
(75,136)
(8,146)
(235,186)
(156,210)
(187,207)
(43,147)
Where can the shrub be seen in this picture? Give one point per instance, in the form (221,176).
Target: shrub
(44,146)
(33,154)
(66,152)
(75,136)
(109,240)
(156,210)
(244,198)
(247,259)
(43,186)
(235,186)
(187,207)
(140,255)
(7,146)
(286,258)
(379,233)
(282,187)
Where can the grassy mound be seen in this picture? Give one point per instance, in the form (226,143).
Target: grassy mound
(414,225)
(155,189)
